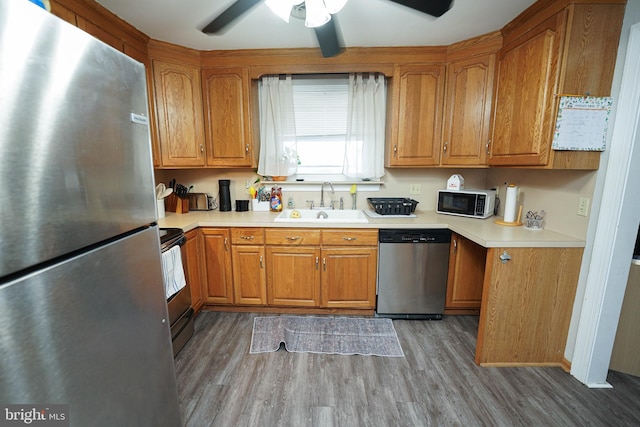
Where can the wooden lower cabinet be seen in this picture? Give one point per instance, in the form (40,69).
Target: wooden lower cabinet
(249,278)
(218,287)
(293,276)
(334,269)
(349,277)
(248,258)
(192,261)
(526,305)
(466,276)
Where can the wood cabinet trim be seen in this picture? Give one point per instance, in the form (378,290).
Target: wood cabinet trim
(98,15)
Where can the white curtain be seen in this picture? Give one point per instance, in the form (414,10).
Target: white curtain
(364,155)
(278,154)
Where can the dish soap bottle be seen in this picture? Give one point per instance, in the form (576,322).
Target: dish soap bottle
(275,204)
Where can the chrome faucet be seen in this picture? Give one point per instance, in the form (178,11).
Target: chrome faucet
(322,192)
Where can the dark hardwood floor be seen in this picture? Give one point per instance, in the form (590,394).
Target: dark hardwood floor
(436,383)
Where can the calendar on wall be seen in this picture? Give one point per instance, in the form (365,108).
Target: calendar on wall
(582,123)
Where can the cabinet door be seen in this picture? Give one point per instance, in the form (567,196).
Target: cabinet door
(526,305)
(466,276)
(179,111)
(218,287)
(142,57)
(468,111)
(293,276)
(228,121)
(418,93)
(524,105)
(349,277)
(249,279)
(192,260)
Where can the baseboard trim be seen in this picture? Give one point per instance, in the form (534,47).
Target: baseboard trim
(287,310)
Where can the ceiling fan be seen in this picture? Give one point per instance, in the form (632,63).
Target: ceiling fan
(317,14)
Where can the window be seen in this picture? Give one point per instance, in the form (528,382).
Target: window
(321,105)
(335,128)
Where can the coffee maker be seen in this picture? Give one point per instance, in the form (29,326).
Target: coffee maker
(225,195)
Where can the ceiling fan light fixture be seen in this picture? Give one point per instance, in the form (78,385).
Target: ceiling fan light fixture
(282,8)
(317,14)
(334,6)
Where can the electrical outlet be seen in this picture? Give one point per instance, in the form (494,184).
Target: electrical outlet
(583,206)
(415,189)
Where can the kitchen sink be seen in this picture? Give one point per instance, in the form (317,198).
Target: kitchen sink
(321,216)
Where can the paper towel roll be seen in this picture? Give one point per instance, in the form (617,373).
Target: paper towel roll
(510,203)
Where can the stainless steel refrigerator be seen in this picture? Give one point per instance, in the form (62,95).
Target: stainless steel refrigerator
(83,317)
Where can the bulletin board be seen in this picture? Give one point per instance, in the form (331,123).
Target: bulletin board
(582,123)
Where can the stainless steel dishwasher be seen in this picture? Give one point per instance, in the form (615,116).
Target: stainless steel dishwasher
(412,273)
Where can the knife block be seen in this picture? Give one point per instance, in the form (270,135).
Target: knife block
(173,203)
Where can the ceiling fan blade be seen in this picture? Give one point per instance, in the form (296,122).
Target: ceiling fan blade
(234,11)
(430,7)
(329,38)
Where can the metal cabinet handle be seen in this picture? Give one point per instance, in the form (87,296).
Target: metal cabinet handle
(316,263)
(226,247)
(444,147)
(292,238)
(487,147)
(246,148)
(505,257)
(324,264)
(247,237)
(349,239)
(201,148)
(261,265)
(395,150)
(455,245)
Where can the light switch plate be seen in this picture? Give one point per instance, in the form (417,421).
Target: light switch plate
(415,189)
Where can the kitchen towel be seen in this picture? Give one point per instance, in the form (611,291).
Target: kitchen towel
(510,203)
(172,271)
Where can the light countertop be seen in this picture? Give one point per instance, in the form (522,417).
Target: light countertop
(484,232)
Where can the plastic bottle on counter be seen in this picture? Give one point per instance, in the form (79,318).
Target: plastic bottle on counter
(275,205)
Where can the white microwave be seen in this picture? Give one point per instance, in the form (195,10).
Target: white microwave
(469,203)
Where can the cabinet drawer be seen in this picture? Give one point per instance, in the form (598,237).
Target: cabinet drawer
(247,236)
(348,237)
(292,236)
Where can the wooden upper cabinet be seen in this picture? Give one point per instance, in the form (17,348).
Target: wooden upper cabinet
(468,103)
(178,99)
(527,77)
(571,52)
(100,33)
(64,13)
(417,93)
(228,126)
(142,57)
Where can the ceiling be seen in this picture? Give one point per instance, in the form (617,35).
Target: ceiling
(364,23)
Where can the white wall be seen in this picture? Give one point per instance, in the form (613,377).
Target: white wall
(396,184)
(556,192)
